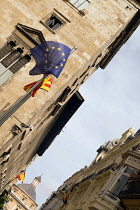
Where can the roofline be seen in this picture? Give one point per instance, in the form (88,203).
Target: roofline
(25,193)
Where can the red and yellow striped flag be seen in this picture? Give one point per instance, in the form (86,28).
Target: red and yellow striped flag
(66,197)
(45,85)
(47,82)
(21,176)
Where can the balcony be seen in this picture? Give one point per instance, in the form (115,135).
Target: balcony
(130,194)
(131,189)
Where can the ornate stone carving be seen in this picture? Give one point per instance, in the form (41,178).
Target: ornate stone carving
(133,160)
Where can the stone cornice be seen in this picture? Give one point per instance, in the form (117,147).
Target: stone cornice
(132,159)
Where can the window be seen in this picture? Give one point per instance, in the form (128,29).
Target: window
(80,4)
(32,205)
(5,50)
(56,108)
(64,188)
(57,201)
(14,190)
(23,135)
(75,81)
(64,94)
(19,146)
(5,161)
(24,198)
(54,21)
(4,154)
(120,182)
(84,79)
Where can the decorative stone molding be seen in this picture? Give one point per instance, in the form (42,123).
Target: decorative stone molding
(132,158)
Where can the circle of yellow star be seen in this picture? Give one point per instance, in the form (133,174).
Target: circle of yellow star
(47,49)
(53,47)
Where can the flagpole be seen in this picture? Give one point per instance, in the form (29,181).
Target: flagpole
(23,99)
(73,49)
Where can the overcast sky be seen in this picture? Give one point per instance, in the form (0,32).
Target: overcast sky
(112,105)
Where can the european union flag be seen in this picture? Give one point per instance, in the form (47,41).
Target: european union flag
(50,58)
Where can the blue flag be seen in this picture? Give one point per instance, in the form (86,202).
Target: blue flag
(50,58)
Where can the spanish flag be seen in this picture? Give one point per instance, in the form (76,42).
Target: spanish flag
(45,85)
(21,176)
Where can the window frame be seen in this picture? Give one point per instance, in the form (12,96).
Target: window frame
(80,12)
(80,4)
(110,195)
(59,16)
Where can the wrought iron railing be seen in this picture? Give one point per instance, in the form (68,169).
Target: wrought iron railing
(132,188)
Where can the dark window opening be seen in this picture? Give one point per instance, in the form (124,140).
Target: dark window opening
(3,178)
(65,187)
(19,146)
(31,205)
(6,153)
(128,139)
(84,79)
(56,108)
(15,130)
(20,63)
(4,171)
(137,133)
(74,89)
(23,135)
(15,190)
(84,72)
(5,161)
(75,82)
(12,57)
(53,22)
(7,49)
(136,147)
(122,181)
(64,94)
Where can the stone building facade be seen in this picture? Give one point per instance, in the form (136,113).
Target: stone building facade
(104,184)
(23,196)
(97,28)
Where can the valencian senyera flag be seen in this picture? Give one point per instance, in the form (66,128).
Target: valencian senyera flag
(50,58)
(45,85)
